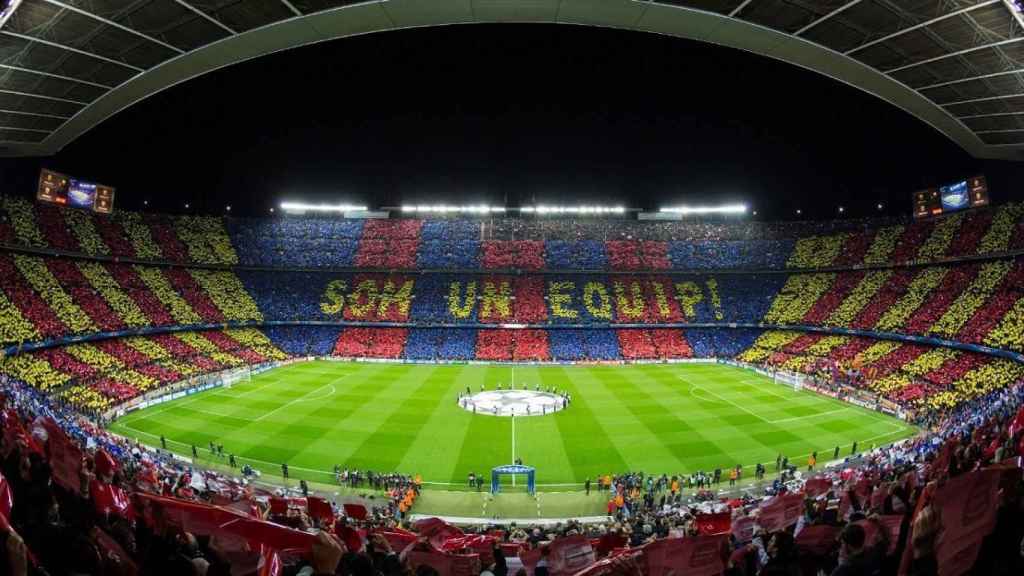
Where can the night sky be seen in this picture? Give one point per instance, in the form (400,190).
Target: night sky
(516,114)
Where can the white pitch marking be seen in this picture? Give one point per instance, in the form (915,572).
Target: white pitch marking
(240,458)
(899,428)
(324,397)
(212,413)
(763,419)
(514,447)
(762,388)
(513,438)
(219,391)
(726,400)
(287,404)
(513,387)
(798,418)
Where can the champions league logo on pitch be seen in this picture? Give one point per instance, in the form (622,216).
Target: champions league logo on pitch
(514,403)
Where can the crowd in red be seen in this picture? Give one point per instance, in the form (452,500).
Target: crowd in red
(513,254)
(371,342)
(947,503)
(655,343)
(525,345)
(31,306)
(389,244)
(93,376)
(512,243)
(638,255)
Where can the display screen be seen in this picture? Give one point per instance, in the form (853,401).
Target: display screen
(955,196)
(56,188)
(969,193)
(53,187)
(104,203)
(81,194)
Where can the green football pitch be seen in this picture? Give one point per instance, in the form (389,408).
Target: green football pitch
(655,418)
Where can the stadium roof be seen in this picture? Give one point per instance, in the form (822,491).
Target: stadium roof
(958,65)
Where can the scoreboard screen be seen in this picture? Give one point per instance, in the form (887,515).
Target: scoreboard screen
(56,188)
(969,193)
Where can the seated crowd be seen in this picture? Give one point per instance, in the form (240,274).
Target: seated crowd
(95,376)
(975,303)
(464,299)
(46,297)
(509,243)
(77,500)
(114,506)
(564,318)
(929,380)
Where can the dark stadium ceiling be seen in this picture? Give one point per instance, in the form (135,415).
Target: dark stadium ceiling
(958,65)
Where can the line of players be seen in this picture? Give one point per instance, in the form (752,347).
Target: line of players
(463,399)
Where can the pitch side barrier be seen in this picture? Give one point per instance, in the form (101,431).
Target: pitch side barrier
(910,338)
(194,385)
(837,390)
(516,271)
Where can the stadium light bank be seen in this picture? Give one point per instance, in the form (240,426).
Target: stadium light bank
(595,210)
(484,209)
(448,209)
(302,208)
(698,210)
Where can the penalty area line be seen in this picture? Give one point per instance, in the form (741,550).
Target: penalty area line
(300,398)
(700,388)
(324,397)
(218,392)
(721,399)
(808,417)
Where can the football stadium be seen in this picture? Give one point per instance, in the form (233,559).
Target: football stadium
(588,288)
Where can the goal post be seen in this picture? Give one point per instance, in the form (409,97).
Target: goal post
(788,379)
(241,375)
(513,470)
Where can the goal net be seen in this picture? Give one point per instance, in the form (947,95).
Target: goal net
(238,375)
(788,379)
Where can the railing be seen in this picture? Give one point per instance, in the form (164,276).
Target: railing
(834,389)
(191,385)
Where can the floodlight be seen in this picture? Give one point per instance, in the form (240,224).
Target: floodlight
(548,209)
(723,209)
(449,209)
(304,207)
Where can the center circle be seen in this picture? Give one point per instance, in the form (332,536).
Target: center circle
(514,403)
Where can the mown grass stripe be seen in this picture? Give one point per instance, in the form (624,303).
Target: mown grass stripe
(443,432)
(587,446)
(488,439)
(746,422)
(279,440)
(388,445)
(684,441)
(404,418)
